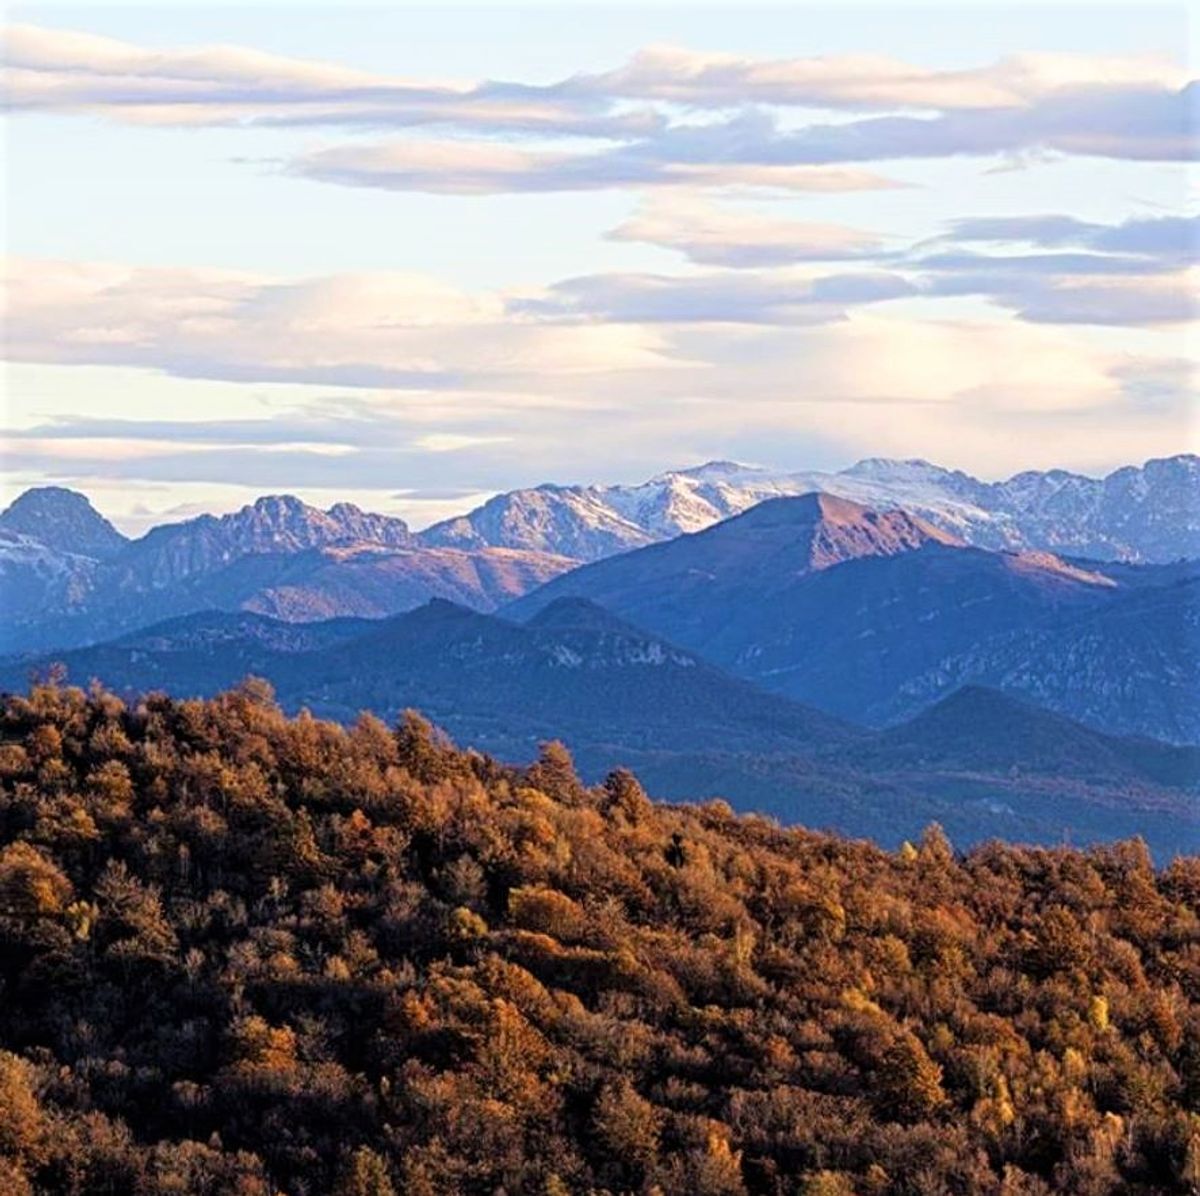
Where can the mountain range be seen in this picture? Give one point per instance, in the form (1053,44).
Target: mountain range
(68,577)
(980,762)
(1147,513)
(861,665)
(872,616)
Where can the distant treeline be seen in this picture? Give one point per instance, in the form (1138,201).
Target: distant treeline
(243,954)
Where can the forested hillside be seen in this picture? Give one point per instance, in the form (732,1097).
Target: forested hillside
(246,954)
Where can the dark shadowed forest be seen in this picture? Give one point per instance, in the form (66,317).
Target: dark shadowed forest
(245,954)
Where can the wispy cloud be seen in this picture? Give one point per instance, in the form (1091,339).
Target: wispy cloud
(1135,274)
(1173,238)
(1081,296)
(871,81)
(754,149)
(363,330)
(739,298)
(578,337)
(461,167)
(398,331)
(642,115)
(55,70)
(989,395)
(714,235)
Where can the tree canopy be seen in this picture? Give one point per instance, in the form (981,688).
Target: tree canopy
(247,954)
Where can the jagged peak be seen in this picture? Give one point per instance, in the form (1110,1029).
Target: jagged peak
(268,503)
(800,509)
(51,500)
(47,494)
(979,698)
(825,530)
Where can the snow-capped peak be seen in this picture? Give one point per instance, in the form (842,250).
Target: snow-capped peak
(1147,513)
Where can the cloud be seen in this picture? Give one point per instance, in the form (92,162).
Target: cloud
(520,350)
(1174,238)
(1108,301)
(751,150)
(1042,264)
(712,235)
(991,396)
(360,330)
(782,334)
(640,116)
(1136,273)
(463,167)
(436,384)
(392,330)
(863,81)
(768,298)
(53,70)
(454,442)
(1150,125)
(56,69)
(1132,273)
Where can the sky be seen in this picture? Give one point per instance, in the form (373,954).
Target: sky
(412,256)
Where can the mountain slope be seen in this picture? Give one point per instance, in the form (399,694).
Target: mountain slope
(248,955)
(505,686)
(828,602)
(691,583)
(981,766)
(277,524)
(67,577)
(577,671)
(983,730)
(35,578)
(572,521)
(196,654)
(1131,666)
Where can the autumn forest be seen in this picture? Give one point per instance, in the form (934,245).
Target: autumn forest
(247,954)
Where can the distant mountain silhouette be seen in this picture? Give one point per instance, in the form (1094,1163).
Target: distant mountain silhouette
(690,583)
(67,577)
(870,615)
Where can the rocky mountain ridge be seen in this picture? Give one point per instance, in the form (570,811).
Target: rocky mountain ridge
(1149,513)
(67,576)
(278,556)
